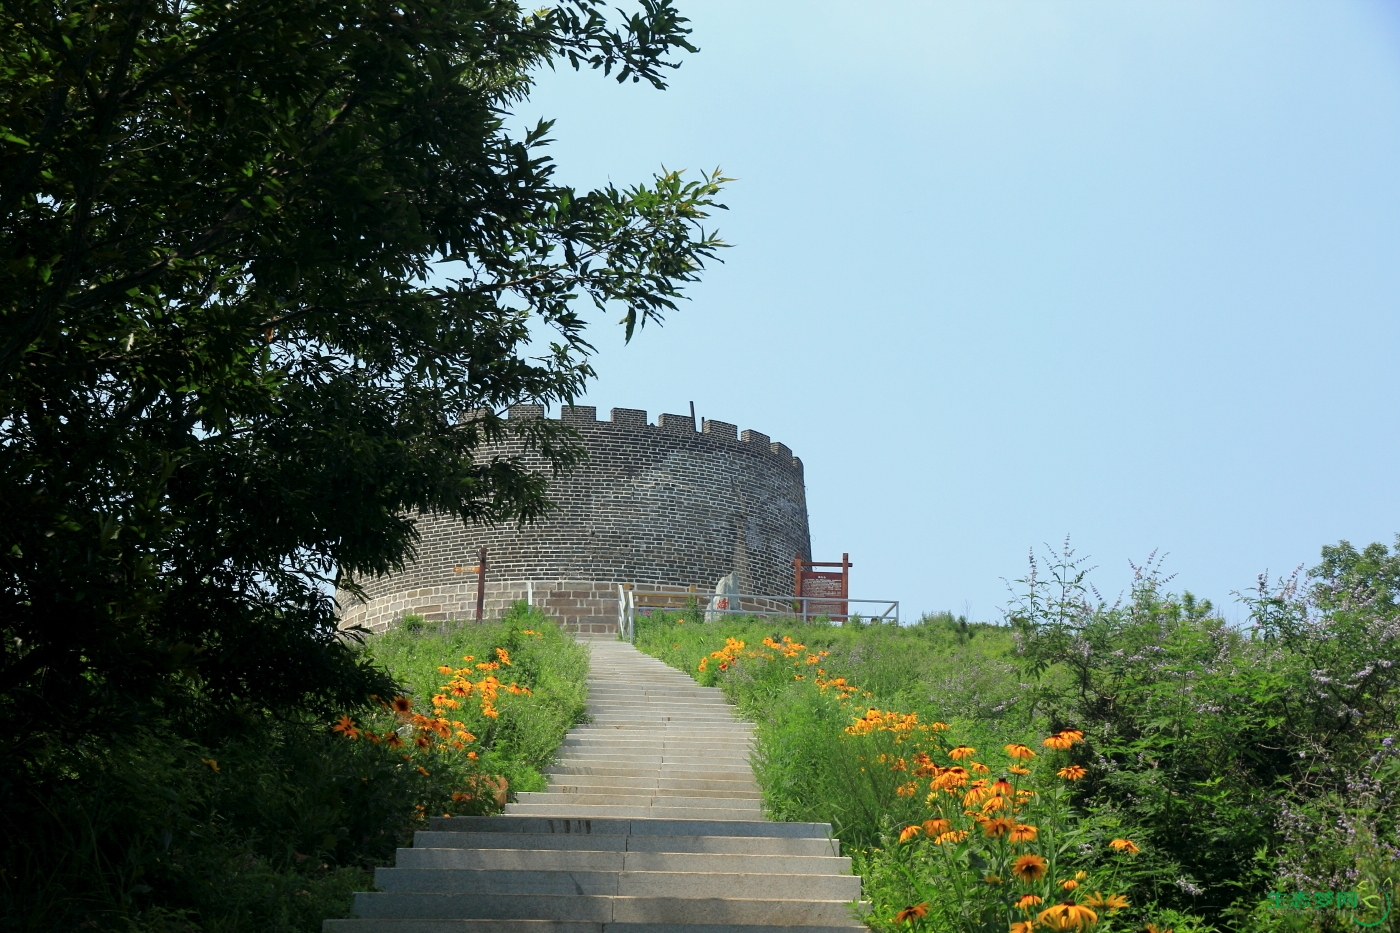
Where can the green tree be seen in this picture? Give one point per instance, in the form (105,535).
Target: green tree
(271,270)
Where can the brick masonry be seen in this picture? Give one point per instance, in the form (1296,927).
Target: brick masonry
(653,505)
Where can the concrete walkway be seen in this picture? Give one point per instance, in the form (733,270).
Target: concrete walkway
(651,822)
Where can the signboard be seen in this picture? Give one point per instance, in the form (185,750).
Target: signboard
(826,591)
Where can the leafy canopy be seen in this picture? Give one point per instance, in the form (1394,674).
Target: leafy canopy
(229,372)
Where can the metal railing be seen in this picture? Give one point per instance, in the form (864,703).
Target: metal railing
(631,600)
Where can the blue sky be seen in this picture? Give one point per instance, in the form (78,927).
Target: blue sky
(1004,272)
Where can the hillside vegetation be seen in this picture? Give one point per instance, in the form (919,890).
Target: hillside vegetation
(247,823)
(1121,766)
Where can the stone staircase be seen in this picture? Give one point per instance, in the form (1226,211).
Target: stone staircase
(651,822)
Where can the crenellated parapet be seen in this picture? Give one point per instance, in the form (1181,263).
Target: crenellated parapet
(652,505)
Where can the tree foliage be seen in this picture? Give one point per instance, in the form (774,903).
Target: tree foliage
(271,271)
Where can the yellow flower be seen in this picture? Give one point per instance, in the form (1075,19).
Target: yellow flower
(211,764)
(1068,916)
(1028,901)
(992,879)
(1023,833)
(1020,751)
(962,751)
(934,827)
(1063,740)
(1123,845)
(953,835)
(1072,773)
(1114,902)
(978,767)
(995,829)
(1000,786)
(1017,769)
(909,832)
(911,913)
(1081,876)
(1069,884)
(1022,926)
(1029,868)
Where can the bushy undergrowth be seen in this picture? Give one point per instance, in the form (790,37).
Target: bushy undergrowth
(247,822)
(1246,773)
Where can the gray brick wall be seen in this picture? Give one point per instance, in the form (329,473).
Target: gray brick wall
(652,505)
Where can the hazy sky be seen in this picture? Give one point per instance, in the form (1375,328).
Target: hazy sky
(1004,272)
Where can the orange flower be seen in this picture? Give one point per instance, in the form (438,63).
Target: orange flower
(1072,773)
(962,751)
(211,764)
(1123,845)
(978,767)
(953,835)
(1000,786)
(1069,884)
(346,726)
(1020,751)
(423,771)
(1068,916)
(393,740)
(1022,926)
(1017,769)
(909,832)
(1028,901)
(401,705)
(1114,902)
(995,829)
(445,671)
(911,913)
(1029,868)
(1063,740)
(934,827)
(1023,833)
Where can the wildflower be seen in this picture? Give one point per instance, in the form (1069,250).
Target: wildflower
(345,726)
(393,740)
(1023,833)
(1063,740)
(909,832)
(1029,868)
(1123,845)
(1114,902)
(1072,773)
(992,879)
(423,771)
(1017,769)
(402,705)
(911,913)
(1153,928)
(1068,916)
(953,777)
(468,657)
(1020,751)
(1028,901)
(996,828)
(978,767)
(907,790)
(703,663)
(211,764)
(1069,884)
(1022,926)
(503,656)
(445,671)
(1081,876)
(460,797)
(935,827)
(953,835)
(962,751)
(993,803)
(422,741)
(1000,786)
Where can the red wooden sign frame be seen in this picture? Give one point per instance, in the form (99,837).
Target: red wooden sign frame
(831,587)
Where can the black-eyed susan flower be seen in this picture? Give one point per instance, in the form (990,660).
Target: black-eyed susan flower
(1020,751)
(1113,902)
(1068,916)
(962,751)
(402,705)
(211,764)
(934,827)
(909,832)
(950,837)
(1028,901)
(1028,868)
(1069,884)
(1063,740)
(909,914)
(1123,845)
(1023,833)
(1072,773)
(1018,770)
(996,828)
